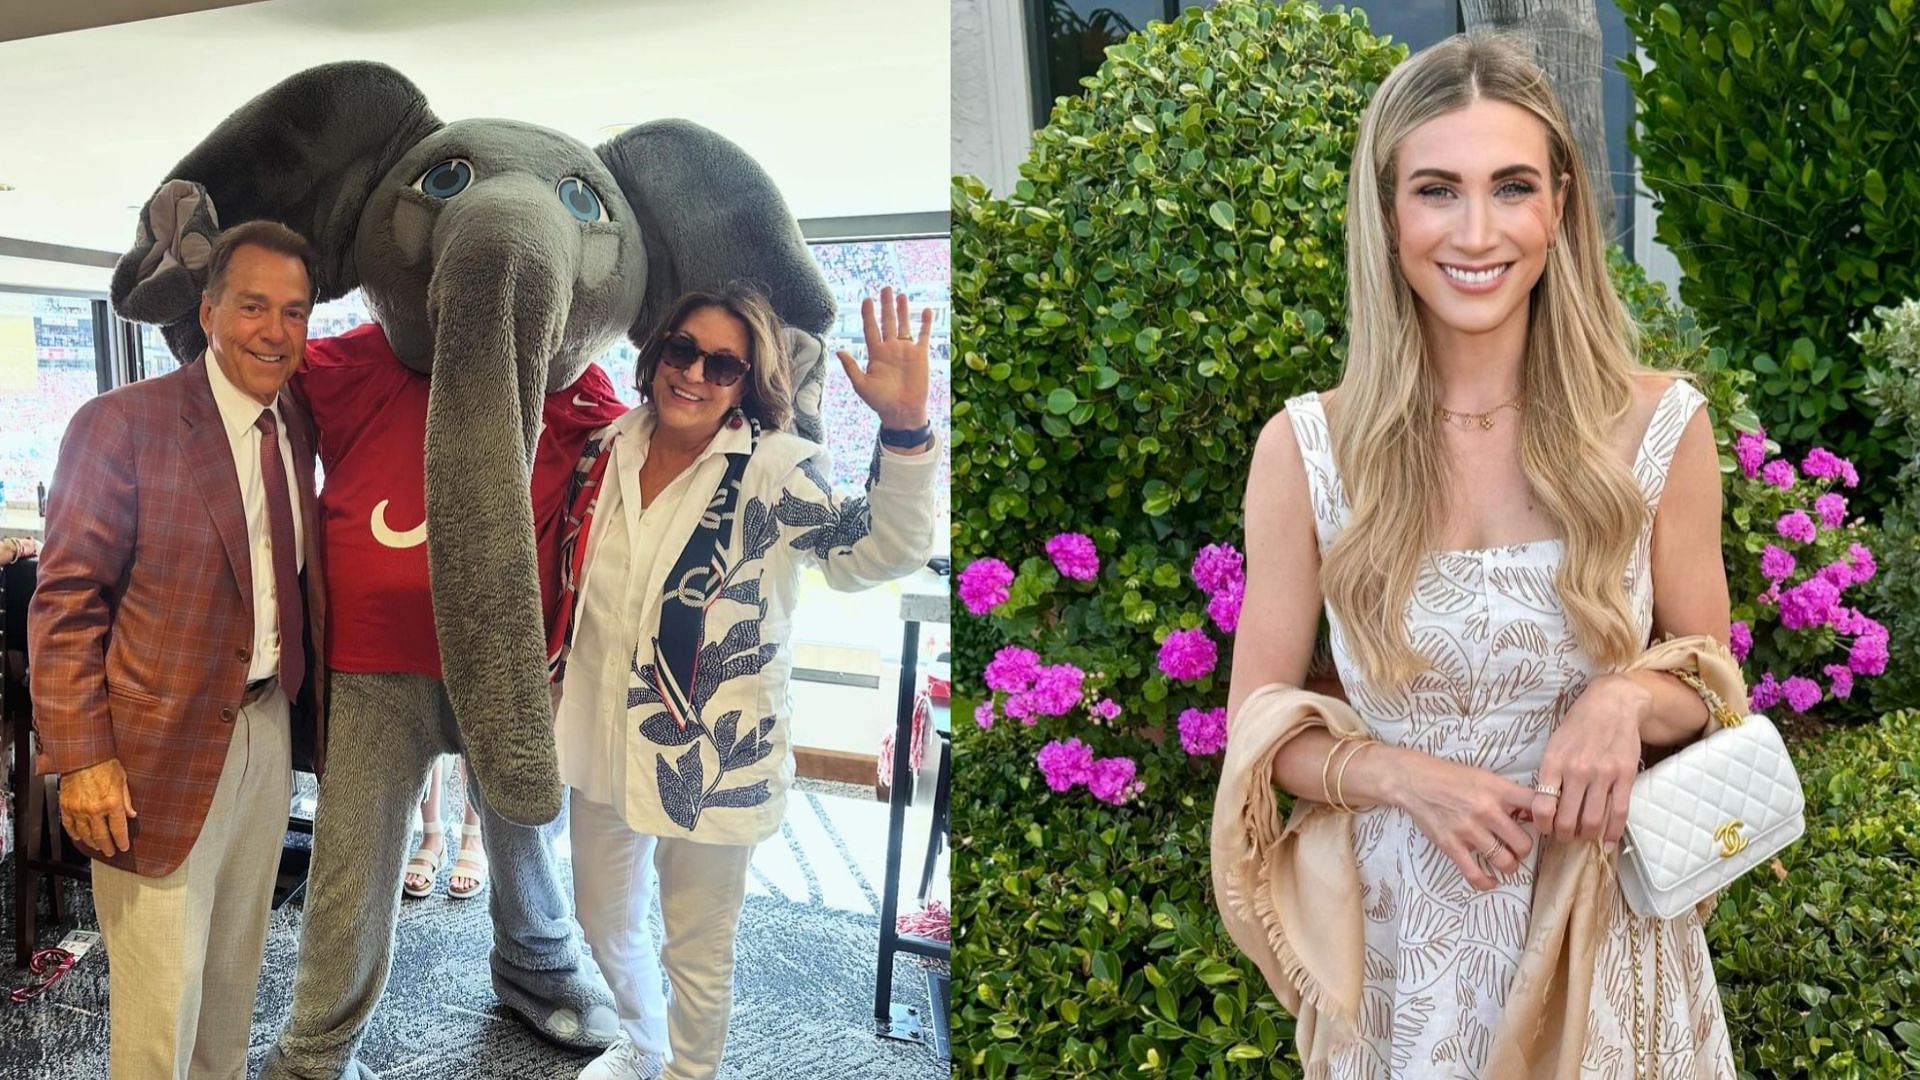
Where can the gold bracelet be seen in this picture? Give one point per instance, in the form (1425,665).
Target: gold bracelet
(1326,767)
(1340,777)
(1716,705)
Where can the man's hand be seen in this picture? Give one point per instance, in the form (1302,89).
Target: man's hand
(95,805)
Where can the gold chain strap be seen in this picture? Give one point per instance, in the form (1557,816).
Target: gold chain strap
(1645,1061)
(1722,712)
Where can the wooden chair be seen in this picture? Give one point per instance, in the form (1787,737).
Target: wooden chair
(40,853)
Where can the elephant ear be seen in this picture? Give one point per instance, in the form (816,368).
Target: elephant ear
(711,215)
(305,153)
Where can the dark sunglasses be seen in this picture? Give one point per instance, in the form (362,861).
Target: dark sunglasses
(722,368)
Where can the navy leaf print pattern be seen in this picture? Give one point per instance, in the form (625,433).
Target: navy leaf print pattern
(676,798)
(745,592)
(751,795)
(723,733)
(757,531)
(826,532)
(661,729)
(815,473)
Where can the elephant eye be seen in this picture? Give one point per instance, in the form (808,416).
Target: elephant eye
(447,179)
(580,200)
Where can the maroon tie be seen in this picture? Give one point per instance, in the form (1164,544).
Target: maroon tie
(286,576)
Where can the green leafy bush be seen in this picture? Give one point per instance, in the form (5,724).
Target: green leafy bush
(1819,972)
(1168,269)
(1892,351)
(1777,143)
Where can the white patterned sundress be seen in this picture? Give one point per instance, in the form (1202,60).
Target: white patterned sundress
(1440,955)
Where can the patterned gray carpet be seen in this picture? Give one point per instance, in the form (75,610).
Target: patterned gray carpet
(803,993)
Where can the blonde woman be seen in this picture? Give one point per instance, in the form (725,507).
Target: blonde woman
(1501,507)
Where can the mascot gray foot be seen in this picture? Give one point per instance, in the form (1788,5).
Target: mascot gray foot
(384,732)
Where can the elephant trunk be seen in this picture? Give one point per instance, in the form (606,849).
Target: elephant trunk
(494,337)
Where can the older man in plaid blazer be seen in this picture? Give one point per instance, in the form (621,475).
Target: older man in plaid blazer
(170,630)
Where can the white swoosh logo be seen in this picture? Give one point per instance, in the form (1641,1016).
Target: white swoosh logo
(583,404)
(413,537)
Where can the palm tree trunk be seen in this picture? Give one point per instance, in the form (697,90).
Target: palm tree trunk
(1566,44)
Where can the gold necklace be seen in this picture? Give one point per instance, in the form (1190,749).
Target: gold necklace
(1485,419)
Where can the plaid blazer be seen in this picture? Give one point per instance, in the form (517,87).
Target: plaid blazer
(142,619)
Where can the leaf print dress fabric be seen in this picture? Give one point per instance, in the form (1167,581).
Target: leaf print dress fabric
(1505,666)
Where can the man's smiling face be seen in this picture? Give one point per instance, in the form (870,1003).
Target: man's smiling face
(257,324)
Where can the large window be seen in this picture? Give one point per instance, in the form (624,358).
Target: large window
(48,369)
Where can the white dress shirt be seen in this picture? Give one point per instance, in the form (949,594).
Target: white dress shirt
(238,414)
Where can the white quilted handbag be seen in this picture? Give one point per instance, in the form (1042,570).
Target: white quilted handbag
(1708,814)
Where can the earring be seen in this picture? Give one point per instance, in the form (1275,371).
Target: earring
(736,417)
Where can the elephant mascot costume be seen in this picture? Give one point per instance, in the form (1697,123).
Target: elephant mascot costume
(498,259)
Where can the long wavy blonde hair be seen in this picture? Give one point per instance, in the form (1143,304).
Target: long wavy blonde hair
(1577,381)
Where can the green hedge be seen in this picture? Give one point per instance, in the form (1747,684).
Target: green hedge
(1777,140)
(1891,346)
(1087,943)
(1167,271)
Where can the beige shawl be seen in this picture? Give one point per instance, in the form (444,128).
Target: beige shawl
(1290,894)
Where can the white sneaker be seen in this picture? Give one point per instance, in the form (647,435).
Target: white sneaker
(623,1061)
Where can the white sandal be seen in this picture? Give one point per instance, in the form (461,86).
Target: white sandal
(470,863)
(425,862)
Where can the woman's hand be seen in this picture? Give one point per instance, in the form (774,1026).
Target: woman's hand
(894,384)
(1591,760)
(1471,814)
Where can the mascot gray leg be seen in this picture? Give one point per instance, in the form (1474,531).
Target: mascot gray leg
(536,960)
(382,736)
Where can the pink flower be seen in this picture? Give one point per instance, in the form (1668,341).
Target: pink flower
(1765,695)
(1106,709)
(1776,563)
(1203,731)
(1751,449)
(1065,763)
(1868,655)
(1838,574)
(1796,525)
(1832,508)
(1779,473)
(1802,693)
(1813,602)
(1827,465)
(1224,608)
(1188,654)
(1842,677)
(1013,669)
(983,715)
(1855,623)
(1216,566)
(1020,707)
(983,585)
(1073,555)
(1740,636)
(1112,780)
(1056,690)
(1863,565)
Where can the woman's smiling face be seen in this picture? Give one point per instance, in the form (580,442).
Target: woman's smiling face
(1475,204)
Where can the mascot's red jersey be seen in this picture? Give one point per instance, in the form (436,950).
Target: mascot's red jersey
(372,414)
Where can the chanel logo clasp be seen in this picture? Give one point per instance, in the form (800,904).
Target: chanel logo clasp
(1729,838)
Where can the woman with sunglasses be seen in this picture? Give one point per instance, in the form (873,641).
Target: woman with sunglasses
(691,519)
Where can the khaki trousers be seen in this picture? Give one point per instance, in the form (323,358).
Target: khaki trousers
(183,951)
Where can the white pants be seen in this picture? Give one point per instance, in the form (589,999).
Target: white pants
(183,950)
(701,889)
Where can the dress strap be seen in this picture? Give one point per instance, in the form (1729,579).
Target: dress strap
(1670,417)
(1324,491)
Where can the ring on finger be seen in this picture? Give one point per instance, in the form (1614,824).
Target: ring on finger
(1492,850)
(1551,791)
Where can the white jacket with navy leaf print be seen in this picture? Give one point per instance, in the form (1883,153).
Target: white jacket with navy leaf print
(722,778)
